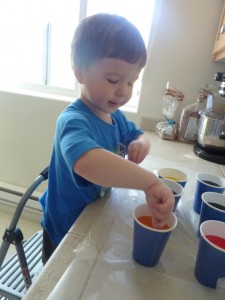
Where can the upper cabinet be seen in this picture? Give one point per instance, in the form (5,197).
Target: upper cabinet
(219,46)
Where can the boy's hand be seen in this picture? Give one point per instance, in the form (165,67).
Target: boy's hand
(160,201)
(138,149)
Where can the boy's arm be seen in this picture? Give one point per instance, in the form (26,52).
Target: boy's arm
(105,168)
(138,149)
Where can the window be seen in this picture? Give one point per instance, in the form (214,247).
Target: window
(36,35)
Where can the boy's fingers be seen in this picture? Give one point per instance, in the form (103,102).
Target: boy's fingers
(158,223)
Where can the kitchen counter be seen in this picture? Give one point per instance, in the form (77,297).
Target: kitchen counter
(94,260)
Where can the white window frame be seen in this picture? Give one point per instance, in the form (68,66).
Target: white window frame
(47,91)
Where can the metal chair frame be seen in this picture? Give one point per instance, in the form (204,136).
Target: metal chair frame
(17,273)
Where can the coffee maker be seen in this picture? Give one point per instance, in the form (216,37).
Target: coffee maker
(211,130)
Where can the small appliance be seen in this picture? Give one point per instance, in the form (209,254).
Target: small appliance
(211,131)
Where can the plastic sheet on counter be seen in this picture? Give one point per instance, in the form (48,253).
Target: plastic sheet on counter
(103,267)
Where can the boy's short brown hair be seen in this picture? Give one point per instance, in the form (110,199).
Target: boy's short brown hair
(106,36)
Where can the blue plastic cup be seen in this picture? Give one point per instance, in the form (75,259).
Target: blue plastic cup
(207,183)
(213,208)
(210,260)
(176,188)
(174,175)
(148,242)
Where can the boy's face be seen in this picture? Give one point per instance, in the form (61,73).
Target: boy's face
(107,84)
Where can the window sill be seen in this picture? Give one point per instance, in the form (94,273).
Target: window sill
(40,91)
(50,93)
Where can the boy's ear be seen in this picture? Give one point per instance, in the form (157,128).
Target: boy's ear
(79,75)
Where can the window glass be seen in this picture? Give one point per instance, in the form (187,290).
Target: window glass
(35,37)
(22,37)
(63,22)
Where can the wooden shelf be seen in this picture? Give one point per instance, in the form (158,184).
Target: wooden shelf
(219,45)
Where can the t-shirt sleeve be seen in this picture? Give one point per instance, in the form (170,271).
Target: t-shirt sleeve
(76,138)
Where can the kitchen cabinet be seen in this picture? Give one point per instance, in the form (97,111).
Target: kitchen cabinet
(219,46)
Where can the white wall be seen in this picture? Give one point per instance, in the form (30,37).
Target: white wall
(27,127)
(181,52)
(181,45)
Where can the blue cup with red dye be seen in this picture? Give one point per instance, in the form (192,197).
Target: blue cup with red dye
(210,260)
(213,208)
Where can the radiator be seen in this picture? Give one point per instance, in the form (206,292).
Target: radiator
(10,195)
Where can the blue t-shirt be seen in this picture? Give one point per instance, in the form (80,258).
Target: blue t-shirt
(78,130)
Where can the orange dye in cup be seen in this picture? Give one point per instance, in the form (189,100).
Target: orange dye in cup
(147,221)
